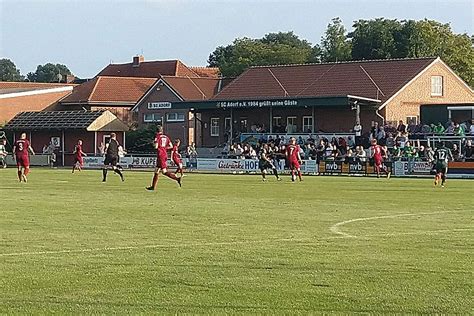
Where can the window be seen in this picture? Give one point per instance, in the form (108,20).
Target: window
(291,124)
(152,118)
(214,126)
(175,117)
(276,121)
(437,86)
(227,124)
(307,124)
(412,120)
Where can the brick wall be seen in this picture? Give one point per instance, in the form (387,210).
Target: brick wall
(408,101)
(182,130)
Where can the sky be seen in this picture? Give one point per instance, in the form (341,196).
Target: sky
(87,35)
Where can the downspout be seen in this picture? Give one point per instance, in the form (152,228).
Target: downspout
(378,114)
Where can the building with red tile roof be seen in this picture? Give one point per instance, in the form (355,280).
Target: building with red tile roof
(154,106)
(116,94)
(16,97)
(207,72)
(327,97)
(148,69)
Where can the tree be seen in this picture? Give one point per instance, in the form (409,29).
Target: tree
(383,38)
(49,73)
(334,43)
(375,39)
(272,49)
(8,71)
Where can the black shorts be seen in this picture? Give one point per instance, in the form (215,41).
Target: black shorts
(442,169)
(263,164)
(110,160)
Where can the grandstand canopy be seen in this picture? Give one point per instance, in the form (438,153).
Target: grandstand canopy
(64,120)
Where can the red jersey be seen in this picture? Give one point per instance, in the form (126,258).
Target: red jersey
(163,143)
(292,152)
(377,151)
(21,147)
(78,151)
(175,155)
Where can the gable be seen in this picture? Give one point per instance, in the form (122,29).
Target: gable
(455,90)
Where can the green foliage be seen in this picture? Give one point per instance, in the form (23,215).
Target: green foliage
(141,140)
(370,39)
(384,38)
(374,39)
(49,73)
(8,71)
(334,43)
(230,244)
(272,49)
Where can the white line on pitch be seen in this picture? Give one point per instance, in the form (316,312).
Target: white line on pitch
(105,249)
(335,228)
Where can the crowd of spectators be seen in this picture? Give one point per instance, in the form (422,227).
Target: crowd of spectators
(401,142)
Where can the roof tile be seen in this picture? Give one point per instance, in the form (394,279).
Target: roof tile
(110,89)
(378,79)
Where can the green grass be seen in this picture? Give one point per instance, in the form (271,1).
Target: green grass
(232,244)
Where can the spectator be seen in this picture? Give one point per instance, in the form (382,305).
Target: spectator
(374,130)
(422,152)
(458,130)
(408,150)
(471,129)
(429,154)
(389,128)
(439,129)
(401,139)
(456,153)
(328,152)
(468,152)
(350,142)
(320,149)
(3,152)
(426,129)
(450,129)
(300,141)
(390,141)
(358,133)
(396,152)
(411,128)
(401,128)
(360,153)
(381,136)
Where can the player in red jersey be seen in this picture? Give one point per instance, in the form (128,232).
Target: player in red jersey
(294,159)
(378,152)
(20,153)
(162,144)
(78,154)
(176,157)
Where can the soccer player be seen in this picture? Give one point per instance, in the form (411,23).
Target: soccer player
(377,154)
(20,153)
(265,162)
(111,157)
(294,159)
(3,153)
(162,144)
(442,156)
(78,154)
(176,157)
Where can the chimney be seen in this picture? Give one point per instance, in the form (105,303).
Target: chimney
(137,60)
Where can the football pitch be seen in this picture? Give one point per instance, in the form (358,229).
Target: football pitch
(71,244)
